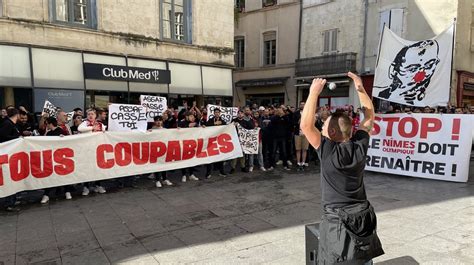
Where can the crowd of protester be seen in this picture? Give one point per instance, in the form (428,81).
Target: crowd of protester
(281,142)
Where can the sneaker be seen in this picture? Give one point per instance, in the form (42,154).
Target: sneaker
(45,199)
(100,189)
(250,169)
(68,196)
(232,171)
(289,163)
(85,191)
(158,184)
(183,179)
(192,177)
(286,168)
(270,169)
(306,164)
(222,174)
(279,162)
(167,182)
(12,209)
(151,176)
(263,169)
(208,176)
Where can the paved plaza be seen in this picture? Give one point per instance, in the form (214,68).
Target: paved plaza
(246,218)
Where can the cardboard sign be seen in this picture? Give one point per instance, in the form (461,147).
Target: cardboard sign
(126,117)
(154,105)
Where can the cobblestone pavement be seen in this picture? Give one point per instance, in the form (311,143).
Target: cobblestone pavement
(254,218)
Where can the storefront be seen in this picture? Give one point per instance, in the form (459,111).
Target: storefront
(69,79)
(263,92)
(334,99)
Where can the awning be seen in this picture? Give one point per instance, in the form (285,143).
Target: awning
(278,81)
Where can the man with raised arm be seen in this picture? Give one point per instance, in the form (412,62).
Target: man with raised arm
(348,224)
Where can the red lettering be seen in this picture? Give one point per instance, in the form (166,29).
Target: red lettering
(19,166)
(141,158)
(212,147)
(200,153)
(123,154)
(35,163)
(225,142)
(3,160)
(390,121)
(100,156)
(157,149)
(429,125)
(174,151)
(376,129)
(189,149)
(63,157)
(402,127)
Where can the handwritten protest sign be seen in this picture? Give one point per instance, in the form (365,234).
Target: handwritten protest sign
(248,140)
(154,105)
(50,109)
(125,117)
(227,113)
(69,116)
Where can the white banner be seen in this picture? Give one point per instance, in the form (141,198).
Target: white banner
(126,117)
(154,105)
(248,139)
(414,73)
(435,146)
(50,109)
(227,113)
(39,162)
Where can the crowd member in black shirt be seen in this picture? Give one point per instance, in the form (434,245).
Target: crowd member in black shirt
(24,127)
(245,120)
(267,138)
(169,121)
(8,131)
(348,225)
(216,121)
(189,122)
(280,126)
(76,121)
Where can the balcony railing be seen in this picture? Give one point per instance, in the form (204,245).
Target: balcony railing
(326,64)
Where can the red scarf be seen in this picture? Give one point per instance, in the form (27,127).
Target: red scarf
(91,124)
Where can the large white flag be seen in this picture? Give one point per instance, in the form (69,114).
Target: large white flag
(414,73)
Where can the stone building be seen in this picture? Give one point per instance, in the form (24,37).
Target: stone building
(91,52)
(266,46)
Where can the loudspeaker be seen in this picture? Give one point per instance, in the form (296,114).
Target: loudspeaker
(312,243)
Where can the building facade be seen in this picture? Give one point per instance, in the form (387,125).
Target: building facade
(266,46)
(343,35)
(81,53)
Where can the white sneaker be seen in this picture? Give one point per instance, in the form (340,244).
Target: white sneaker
(263,169)
(270,169)
(192,177)
(100,189)
(287,168)
(183,179)
(289,163)
(250,169)
(45,199)
(158,184)
(151,176)
(68,196)
(279,162)
(168,183)
(85,191)
(306,164)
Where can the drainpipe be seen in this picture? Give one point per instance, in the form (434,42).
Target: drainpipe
(364,41)
(299,46)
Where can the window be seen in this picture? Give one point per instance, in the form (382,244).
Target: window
(75,12)
(239,46)
(330,41)
(269,48)
(240,5)
(393,19)
(175,19)
(266,3)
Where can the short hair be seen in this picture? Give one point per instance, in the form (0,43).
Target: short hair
(11,112)
(158,118)
(217,109)
(52,120)
(100,111)
(76,115)
(77,109)
(342,123)
(91,110)
(23,113)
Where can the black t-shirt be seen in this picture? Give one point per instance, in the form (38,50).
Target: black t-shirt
(56,132)
(342,169)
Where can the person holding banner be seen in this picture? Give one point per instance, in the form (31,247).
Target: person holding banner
(216,120)
(348,223)
(91,125)
(159,177)
(189,122)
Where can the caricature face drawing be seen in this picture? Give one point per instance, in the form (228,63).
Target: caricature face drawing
(411,71)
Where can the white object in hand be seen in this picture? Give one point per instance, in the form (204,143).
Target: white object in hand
(332,86)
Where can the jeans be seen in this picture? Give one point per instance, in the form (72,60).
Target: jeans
(246,159)
(260,155)
(190,171)
(218,165)
(160,176)
(279,144)
(267,148)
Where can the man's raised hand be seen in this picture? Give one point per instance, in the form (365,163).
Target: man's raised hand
(357,81)
(317,85)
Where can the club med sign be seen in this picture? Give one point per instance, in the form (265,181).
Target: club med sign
(125,73)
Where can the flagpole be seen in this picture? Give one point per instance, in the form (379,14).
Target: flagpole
(380,45)
(452,63)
